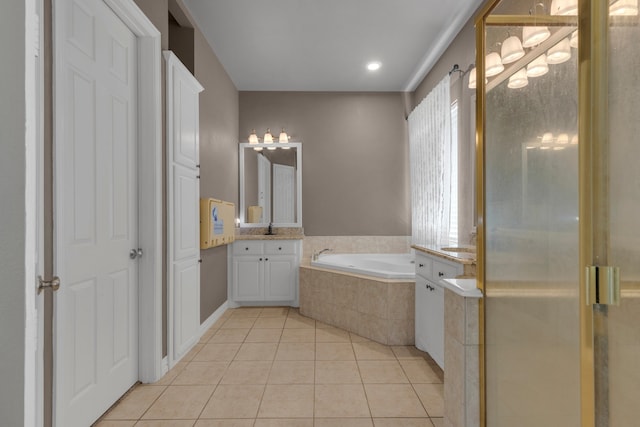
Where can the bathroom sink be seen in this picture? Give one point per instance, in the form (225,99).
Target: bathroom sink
(467,249)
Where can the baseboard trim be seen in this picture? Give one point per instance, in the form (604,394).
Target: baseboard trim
(215,316)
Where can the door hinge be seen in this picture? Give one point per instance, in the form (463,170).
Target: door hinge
(603,285)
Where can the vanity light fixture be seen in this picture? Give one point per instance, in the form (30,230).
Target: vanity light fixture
(518,80)
(573,42)
(624,8)
(559,53)
(283,138)
(374,66)
(253,139)
(547,139)
(562,139)
(268,139)
(493,64)
(538,67)
(533,36)
(511,50)
(564,7)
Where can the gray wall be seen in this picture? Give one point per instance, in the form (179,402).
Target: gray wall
(355,163)
(12,213)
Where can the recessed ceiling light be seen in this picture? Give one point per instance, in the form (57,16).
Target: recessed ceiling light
(373,66)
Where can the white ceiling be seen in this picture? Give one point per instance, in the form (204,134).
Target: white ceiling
(324,45)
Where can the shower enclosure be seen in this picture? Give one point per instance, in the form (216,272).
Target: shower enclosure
(558,138)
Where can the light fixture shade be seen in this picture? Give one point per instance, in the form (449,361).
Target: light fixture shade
(472,78)
(559,53)
(268,139)
(574,140)
(253,139)
(511,50)
(533,36)
(538,67)
(562,139)
(518,80)
(547,138)
(624,8)
(564,7)
(574,40)
(283,138)
(493,64)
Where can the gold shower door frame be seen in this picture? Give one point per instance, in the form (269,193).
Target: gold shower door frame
(593,158)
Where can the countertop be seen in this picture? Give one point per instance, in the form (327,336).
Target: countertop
(468,258)
(269,237)
(463,287)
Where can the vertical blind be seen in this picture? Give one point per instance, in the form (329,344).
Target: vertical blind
(430,165)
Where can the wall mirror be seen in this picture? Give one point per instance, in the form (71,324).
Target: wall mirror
(270,184)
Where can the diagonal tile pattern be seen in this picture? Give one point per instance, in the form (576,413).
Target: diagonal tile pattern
(272,367)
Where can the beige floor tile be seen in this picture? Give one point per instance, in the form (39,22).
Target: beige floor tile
(207,335)
(270,322)
(432,397)
(393,400)
(180,402)
(287,401)
(274,312)
(224,423)
(264,335)
(337,372)
(192,353)
(402,422)
(238,323)
(334,351)
(299,322)
(165,423)
(419,371)
(234,401)
(246,312)
(322,325)
(296,351)
(340,400)
(343,422)
(283,422)
(438,422)
(213,352)
(372,351)
(134,404)
(332,335)
(408,352)
(201,373)
(358,338)
(381,372)
(257,351)
(246,372)
(229,336)
(292,372)
(172,374)
(114,424)
(298,335)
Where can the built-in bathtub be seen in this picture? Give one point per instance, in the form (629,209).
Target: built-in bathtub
(371,295)
(386,266)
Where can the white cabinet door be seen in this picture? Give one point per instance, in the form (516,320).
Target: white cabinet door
(422,314)
(436,327)
(280,277)
(248,283)
(186,305)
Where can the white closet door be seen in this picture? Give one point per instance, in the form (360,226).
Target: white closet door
(183,208)
(284,178)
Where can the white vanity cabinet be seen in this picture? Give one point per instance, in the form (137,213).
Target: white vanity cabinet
(429,318)
(263,272)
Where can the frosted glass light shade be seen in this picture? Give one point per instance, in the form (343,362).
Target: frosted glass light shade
(562,139)
(574,140)
(574,40)
(511,50)
(538,67)
(559,53)
(518,80)
(472,78)
(493,64)
(624,8)
(533,36)
(564,7)
(253,139)
(547,138)
(268,139)
(283,138)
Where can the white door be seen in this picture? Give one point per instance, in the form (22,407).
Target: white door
(279,278)
(264,188)
(183,233)
(284,178)
(96,212)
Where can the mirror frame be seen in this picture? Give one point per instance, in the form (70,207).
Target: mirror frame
(298,207)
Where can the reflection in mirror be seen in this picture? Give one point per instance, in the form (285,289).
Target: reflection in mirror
(270,185)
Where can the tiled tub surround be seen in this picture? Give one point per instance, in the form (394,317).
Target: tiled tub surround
(356,244)
(377,309)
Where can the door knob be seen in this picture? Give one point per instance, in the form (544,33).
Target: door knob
(53,284)
(135,253)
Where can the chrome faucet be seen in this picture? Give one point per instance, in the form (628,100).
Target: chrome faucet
(316,255)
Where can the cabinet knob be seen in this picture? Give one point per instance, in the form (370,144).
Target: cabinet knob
(420,265)
(246,249)
(260,259)
(266,259)
(440,274)
(280,248)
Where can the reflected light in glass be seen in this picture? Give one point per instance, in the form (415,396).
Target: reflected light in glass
(547,138)
(558,148)
(472,78)
(533,36)
(574,140)
(538,67)
(564,7)
(493,64)
(624,8)
(518,80)
(511,50)
(574,40)
(559,53)
(562,139)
